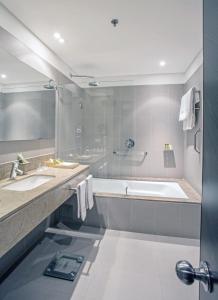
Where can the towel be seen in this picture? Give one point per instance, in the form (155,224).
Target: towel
(187,110)
(81,200)
(186,105)
(89,192)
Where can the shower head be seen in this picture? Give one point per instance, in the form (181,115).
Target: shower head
(51,85)
(94,83)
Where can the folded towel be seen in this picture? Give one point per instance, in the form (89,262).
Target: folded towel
(81,200)
(89,192)
(187,110)
(186,105)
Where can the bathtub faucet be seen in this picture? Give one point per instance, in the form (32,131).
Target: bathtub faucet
(126,190)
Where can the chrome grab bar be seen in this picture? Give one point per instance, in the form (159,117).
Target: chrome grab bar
(195,141)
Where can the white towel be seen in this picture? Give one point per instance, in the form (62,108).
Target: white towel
(187,110)
(185,105)
(81,200)
(89,192)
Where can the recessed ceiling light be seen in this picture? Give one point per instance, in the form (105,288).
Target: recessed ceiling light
(57,35)
(162,63)
(61,40)
(3,76)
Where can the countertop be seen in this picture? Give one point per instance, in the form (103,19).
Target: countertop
(12,201)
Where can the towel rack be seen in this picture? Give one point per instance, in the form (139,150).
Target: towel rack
(71,189)
(195,141)
(74,189)
(197,93)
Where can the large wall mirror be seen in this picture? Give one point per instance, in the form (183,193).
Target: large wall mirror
(27,108)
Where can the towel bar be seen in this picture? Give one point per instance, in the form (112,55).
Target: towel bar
(197,93)
(195,141)
(72,189)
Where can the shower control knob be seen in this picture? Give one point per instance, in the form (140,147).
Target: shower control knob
(187,274)
(130,143)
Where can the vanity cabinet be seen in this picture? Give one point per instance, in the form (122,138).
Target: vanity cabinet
(18,224)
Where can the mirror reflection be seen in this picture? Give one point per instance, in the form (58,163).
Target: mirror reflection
(27,108)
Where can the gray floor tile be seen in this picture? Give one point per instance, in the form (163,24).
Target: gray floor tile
(122,266)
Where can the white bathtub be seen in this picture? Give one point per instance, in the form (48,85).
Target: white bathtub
(139,188)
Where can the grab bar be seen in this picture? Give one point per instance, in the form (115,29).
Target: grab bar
(195,141)
(126,153)
(197,95)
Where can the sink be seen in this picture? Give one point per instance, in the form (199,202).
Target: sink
(29,183)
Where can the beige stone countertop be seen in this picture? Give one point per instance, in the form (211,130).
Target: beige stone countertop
(12,201)
(193,196)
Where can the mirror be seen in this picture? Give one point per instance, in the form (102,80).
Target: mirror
(27,108)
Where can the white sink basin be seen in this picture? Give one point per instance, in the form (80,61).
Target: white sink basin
(28,183)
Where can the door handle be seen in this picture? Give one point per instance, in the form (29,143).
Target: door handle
(187,274)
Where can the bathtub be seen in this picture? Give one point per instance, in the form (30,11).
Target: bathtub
(158,189)
(171,208)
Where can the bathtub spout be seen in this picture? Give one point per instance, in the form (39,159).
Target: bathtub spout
(126,190)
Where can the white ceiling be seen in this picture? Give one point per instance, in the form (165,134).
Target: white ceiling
(16,71)
(149,31)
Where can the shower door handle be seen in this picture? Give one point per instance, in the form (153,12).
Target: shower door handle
(195,141)
(187,274)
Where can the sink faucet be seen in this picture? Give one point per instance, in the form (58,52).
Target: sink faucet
(15,170)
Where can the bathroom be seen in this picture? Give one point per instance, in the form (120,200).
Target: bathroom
(108,150)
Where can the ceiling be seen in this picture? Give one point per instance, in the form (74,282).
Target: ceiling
(149,31)
(16,71)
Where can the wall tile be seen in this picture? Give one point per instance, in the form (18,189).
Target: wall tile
(149,115)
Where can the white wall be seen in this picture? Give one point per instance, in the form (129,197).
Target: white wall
(147,114)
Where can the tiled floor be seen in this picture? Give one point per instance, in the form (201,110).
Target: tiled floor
(120,266)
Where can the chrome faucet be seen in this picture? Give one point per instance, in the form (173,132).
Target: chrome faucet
(15,170)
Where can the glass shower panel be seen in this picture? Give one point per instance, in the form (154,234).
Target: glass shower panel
(109,130)
(69,123)
(124,142)
(83,125)
(97,127)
